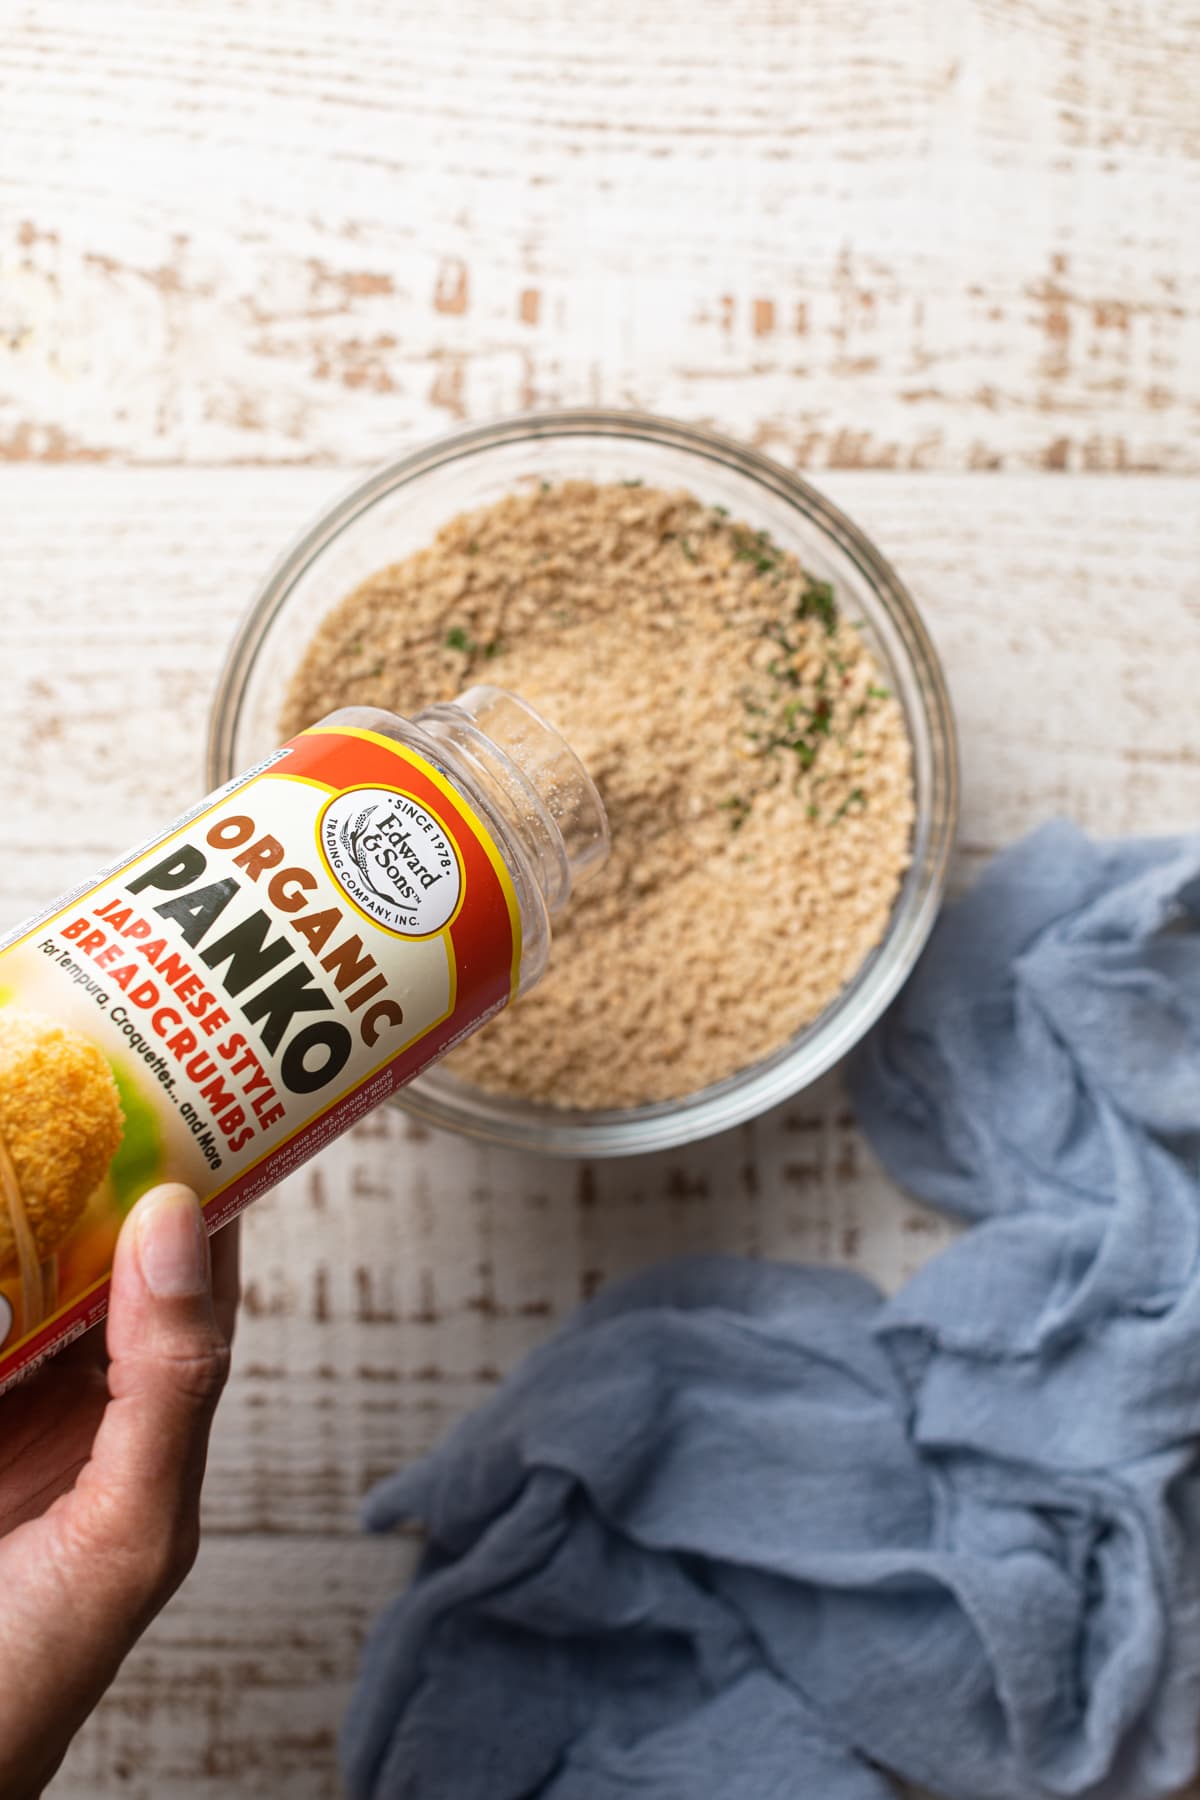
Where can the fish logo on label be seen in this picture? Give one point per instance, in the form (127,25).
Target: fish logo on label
(393,858)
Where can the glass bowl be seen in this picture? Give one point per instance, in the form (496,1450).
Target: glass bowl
(400,508)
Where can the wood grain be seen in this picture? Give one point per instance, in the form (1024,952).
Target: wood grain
(390,1286)
(1067,613)
(907,237)
(206,1711)
(905,245)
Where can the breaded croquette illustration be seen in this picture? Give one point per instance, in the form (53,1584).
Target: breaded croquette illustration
(60,1127)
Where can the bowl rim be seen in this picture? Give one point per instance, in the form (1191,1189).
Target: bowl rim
(748,1092)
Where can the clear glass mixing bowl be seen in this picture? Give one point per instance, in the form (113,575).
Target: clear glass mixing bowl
(399,509)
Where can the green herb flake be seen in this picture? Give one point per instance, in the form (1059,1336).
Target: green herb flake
(495,648)
(457,639)
(473,547)
(545,486)
(685,544)
(818,601)
(879,693)
(635,483)
(739,808)
(719,512)
(856,797)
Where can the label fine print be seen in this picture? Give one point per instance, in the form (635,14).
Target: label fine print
(218,1007)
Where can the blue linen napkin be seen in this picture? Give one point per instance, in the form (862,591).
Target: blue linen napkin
(754,1532)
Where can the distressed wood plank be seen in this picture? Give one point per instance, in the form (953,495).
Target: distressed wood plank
(917,238)
(391,1285)
(239,1690)
(909,237)
(388,1287)
(1067,614)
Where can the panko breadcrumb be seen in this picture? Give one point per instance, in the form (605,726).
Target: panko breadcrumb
(755,769)
(60,1126)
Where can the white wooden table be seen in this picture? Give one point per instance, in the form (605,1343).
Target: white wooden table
(944,254)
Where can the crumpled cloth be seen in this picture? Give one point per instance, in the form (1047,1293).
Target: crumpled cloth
(755,1532)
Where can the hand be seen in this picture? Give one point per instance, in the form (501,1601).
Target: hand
(101,1461)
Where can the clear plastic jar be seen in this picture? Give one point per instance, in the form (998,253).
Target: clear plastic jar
(225,1000)
(524,779)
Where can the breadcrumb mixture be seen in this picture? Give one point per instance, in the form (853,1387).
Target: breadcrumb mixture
(755,769)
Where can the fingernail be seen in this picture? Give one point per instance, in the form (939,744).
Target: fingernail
(172,1243)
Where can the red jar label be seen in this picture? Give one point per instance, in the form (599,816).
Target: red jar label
(225,1002)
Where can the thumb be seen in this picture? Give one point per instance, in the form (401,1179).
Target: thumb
(81,1582)
(137,1503)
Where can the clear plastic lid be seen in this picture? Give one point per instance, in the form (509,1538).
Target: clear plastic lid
(547,788)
